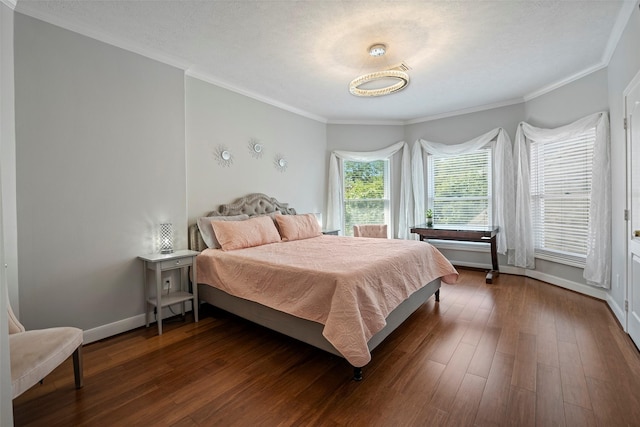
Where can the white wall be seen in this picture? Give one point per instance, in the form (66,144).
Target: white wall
(100,162)
(218,117)
(624,65)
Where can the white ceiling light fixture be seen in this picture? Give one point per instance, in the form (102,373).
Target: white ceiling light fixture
(399,79)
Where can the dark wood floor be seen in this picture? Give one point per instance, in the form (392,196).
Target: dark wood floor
(516,353)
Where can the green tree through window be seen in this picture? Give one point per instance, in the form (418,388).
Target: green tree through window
(366,193)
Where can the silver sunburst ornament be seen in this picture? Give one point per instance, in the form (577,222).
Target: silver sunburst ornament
(223,156)
(255,148)
(280,163)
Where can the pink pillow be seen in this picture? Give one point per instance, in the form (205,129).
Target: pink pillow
(245,234)
(298,227)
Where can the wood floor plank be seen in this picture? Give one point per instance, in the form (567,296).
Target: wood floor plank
(574,384)
(476,327)
(577,416)
(465,405)
(521,408)
(549,400)
(451,362)
(485,351)
(495,397)
(525,364)
(451,378)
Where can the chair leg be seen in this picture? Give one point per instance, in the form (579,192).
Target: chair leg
(77,366)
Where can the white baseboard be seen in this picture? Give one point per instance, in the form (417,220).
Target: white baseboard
(618,312)
(105,331)
(124,325)
(554,280)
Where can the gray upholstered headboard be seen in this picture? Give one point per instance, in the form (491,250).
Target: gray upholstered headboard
(254,204)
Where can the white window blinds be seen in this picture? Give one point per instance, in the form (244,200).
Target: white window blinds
(560,190)
(459,188)
(366,193)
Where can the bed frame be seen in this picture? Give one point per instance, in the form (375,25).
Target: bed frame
(301,329)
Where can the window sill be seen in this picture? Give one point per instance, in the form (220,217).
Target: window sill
(461,246)
(571,260)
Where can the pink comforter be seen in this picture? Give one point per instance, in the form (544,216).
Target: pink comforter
(347,284)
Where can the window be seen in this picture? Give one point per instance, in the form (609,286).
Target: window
(459,188)
(560,197)
(366,194)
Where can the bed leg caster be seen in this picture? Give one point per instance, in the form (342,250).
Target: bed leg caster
(437,295)
(357,374)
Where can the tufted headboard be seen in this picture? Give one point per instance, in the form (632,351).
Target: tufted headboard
(254,204)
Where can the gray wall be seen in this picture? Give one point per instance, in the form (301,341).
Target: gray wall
(104,154)
(570,102)
(560,107)
(457,129)
(8,158)
(623,66)
(7,144)
(100,162)
(218,117)
(370,138)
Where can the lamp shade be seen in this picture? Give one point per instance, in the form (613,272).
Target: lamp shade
(165,238)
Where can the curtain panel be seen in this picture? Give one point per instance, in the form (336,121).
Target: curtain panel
(503,181)
(335,197)
(597,270)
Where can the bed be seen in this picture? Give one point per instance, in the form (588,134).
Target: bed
(344,295)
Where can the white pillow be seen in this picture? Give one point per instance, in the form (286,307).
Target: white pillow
(206,229)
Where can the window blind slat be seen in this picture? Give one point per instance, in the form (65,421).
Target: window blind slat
(560,194)
(459,188)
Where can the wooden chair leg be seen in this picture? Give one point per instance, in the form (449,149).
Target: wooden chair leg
(77,367)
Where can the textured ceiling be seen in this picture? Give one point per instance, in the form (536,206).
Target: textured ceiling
(301,55)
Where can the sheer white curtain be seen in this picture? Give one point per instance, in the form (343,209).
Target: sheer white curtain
(598,263)
(335,198)
(503,182)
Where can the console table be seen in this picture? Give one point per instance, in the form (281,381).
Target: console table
(483,234)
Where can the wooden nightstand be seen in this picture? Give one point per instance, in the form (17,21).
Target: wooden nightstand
(165,262)
(331,232)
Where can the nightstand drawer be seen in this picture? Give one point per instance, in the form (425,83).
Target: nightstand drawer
(175,263)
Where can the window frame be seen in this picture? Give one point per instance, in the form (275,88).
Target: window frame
(430,184)
(536,199)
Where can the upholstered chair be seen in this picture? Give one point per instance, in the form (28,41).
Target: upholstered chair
(370,230)
(35,354)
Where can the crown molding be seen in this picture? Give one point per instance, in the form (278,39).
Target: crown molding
(469,110)
(618,28)
(205,77)
(25,8)
(565,81)
(367,122)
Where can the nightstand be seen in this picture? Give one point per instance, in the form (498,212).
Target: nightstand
(165,262)
(330,232)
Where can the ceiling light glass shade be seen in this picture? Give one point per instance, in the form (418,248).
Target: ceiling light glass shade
(377,50)
(401,77)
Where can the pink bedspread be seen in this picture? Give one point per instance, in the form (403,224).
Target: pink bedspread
(347,284)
